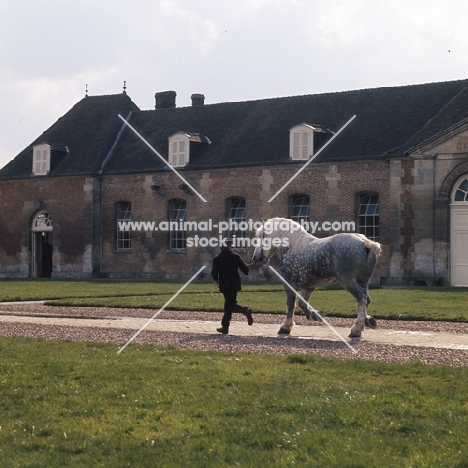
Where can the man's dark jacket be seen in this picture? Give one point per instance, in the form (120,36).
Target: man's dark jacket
(226,266)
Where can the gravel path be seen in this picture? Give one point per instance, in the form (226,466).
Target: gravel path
(231,343)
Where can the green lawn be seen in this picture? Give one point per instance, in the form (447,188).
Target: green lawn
(81,404)
(425,303)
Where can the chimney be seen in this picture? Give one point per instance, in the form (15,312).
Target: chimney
(198,99)
(165,99)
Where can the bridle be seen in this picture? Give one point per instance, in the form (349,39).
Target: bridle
(262,254)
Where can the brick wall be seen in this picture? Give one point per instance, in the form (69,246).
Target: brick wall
(74,206)
(332,190)
(67,202)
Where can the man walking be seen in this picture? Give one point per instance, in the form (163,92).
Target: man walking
(226,266)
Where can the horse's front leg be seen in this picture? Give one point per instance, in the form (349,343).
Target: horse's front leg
(285,328)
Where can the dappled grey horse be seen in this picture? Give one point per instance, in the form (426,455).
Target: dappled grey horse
(307,262)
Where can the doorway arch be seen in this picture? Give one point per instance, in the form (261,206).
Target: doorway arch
(459,232)
(41,245)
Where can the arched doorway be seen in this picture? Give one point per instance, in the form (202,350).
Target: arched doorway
(41,245)
(459,233)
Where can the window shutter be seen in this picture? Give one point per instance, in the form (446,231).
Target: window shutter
(37,161)
(296,145)
(173,157)
(305,145)
(301,141)
(179,149)
(181,153)
(40,161)
(44,162)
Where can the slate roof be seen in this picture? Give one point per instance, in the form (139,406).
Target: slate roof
(88,130)
(389,122)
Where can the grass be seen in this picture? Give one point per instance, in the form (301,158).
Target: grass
(81,404)
(387,303)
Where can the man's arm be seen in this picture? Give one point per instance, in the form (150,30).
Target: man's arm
(215,270)
(243,267)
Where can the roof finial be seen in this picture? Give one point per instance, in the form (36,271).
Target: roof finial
(125,87)
(86,90)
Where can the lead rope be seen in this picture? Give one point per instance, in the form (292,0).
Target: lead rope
(215,290)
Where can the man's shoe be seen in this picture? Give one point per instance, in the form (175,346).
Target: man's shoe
(248,314)
(223,330)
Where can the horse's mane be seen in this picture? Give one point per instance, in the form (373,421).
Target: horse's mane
(298,236)
(295,233)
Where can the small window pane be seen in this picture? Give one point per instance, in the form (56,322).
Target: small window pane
(300,208)
(124,237)
(43,220)
(462,192)
(177,213)
(368,216)
(236,215)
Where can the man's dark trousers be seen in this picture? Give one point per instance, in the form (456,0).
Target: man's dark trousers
(230,305)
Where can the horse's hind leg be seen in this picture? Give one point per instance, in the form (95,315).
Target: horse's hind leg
(369,321)
(362,297)
(285,328)
(307,308)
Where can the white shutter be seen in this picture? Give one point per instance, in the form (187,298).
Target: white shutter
(301,138)
(173,155)
(37,161)
(296,145)
(181,153)
(41,161)
(305,145)
(44,162)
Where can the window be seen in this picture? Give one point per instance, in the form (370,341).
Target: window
(301,139)
(461,193)
(124,234)
(42,222)
(179,149)
(41,159)
(177,234)
(368,215)
(300,208)
(235,216)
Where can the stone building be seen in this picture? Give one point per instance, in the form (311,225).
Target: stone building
(397,172)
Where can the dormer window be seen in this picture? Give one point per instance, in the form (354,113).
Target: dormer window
(301,142)
(183,144)
(179,149)
(41,159)
(305,139)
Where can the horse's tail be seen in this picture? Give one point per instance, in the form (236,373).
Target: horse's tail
(373,250)
(372,245)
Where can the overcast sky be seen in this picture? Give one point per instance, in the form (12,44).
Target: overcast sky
(228,50)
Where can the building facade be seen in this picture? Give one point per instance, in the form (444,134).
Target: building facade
(391,163)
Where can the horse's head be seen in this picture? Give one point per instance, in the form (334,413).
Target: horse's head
(263,243)
(275,233)
(261,251)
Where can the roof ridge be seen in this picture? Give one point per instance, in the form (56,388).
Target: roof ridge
(302,96)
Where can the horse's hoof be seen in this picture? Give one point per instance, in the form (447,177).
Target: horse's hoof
(354,334)
(371,322)
(284,331)
(315,316)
